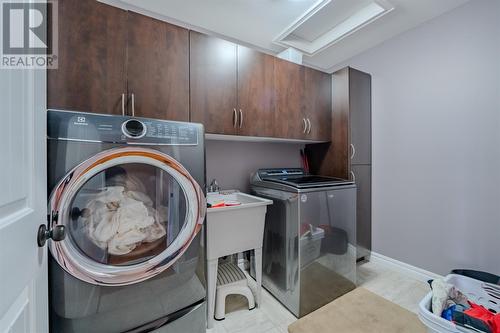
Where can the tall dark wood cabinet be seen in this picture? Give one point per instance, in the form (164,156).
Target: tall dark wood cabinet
(360,124)
(157,69)
(214,92)
(118,62)
(91,74)
(348,156)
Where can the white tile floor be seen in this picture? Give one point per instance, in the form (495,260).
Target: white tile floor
(272,317)
(392,285)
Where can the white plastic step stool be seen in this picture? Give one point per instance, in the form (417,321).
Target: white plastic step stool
(231,280)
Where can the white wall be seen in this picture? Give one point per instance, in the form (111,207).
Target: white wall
(436,141)
(232,163)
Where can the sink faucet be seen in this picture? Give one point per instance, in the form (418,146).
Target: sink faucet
(214,187)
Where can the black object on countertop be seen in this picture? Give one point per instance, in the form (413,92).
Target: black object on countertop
(478,275)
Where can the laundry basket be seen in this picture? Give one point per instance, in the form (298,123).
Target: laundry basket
(479,292)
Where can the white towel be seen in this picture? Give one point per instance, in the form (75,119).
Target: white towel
(119,220)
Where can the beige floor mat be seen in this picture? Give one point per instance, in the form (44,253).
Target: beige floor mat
(359,311)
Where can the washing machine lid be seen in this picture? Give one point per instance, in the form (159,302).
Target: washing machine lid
(297,178)
(130,213)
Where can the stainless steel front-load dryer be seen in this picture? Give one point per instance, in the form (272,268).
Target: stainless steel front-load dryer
(126,208)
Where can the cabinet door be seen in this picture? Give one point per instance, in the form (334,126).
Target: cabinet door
(157,68)
(289,121)
(318,104)
(362,176)
(339,152)
(360,116)
(213,83)
(255,93)
(92,49)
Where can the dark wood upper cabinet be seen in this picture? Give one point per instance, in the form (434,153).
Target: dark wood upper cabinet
(157,68)
(91,73)
(120,62)
(255,93)
(289,121)
(107,54)
(318,104)
(231,87)
(214,92)
(303,102)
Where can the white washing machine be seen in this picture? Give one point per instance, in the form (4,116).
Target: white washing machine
(125,215)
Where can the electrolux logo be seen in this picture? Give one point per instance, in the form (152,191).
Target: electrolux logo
(80,121)
(29,34)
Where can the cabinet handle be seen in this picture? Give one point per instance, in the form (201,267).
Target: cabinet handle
(123,104)
(133,104)
(353,176)
(353,151)
(235,118)
(241,118)
(305,125)
(309,123)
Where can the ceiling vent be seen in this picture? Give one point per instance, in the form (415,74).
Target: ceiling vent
(328,21)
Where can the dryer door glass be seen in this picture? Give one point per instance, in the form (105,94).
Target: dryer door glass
(129,214)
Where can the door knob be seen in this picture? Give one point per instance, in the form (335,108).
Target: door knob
(57,234)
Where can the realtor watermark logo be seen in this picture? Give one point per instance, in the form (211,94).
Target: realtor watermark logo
(29,34)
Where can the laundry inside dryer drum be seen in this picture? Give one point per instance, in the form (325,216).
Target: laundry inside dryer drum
(123,215)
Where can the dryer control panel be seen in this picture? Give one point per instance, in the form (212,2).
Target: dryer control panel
(88,127)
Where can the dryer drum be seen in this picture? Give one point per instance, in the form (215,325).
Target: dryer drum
(121,222)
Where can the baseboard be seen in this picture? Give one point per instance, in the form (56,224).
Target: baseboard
(412,271)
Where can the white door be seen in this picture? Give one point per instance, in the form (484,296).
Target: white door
(23,265)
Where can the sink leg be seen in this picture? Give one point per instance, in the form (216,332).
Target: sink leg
(258,274)
(211,288)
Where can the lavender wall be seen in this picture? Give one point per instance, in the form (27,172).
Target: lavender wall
(232,163)
(436,141)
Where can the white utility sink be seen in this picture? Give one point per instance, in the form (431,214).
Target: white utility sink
(234,229)
(246,200)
